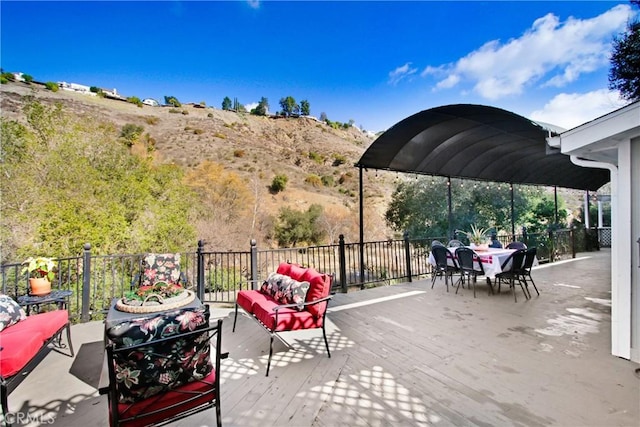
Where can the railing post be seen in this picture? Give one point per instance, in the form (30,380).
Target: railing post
(573,242)
(254,264)
(552,246)
(343,263)
(86,283)
(407,255)
(200,267)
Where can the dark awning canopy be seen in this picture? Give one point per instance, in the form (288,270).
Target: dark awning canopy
(478,142)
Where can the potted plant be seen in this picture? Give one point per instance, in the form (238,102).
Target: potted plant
(477,237)
(41,272)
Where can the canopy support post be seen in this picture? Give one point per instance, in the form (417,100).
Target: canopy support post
(361,229)
(451,236)
(555,199)
(513,216)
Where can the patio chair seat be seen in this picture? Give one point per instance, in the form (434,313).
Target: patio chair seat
(289,319)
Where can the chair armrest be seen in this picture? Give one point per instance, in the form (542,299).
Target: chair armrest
(306,304)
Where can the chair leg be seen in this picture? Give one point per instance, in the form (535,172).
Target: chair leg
(534,285)
(270,354)
(326,342)
(234,319)
(5,403)
(512,284)
(218,414)
(69,339)
(433,279)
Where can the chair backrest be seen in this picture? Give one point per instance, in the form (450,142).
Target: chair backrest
(454,243)
(166,378)
(514,262)
(466,258)
(516,245)
(529,257)
(440,254)
(436,243)
(161,268)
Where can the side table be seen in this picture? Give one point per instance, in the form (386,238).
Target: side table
(59,297)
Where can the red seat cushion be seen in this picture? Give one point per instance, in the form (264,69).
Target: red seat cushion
(248,299)
(17,349)
(167,400)
(46,323)
(289,319)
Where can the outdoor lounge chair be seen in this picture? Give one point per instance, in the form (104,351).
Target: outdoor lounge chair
(529,258)
(516,245)
(164,378)
(159,268)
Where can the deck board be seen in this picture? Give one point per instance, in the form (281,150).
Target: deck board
(405,355)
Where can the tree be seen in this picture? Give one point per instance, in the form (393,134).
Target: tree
(624,72)
(323,117)
(226,103)
(262,107)
(172,100)
(305,109)
(289,106)
(27,78)
(52,86)
(299,227)
(131,133)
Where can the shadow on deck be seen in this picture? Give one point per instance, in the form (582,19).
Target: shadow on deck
(401,355)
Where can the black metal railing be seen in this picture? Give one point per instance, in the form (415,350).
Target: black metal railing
(218,276)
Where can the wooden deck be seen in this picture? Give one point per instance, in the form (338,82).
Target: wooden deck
(403,355)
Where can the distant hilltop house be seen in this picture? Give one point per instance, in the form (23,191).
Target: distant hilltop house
(111,93)
(150,102)
(75,87)
(18,77)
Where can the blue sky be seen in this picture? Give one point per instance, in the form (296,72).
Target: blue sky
(373,62)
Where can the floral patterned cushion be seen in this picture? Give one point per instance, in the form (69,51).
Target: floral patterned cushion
(160,268)
(285,290)
(10,312)
(146,371)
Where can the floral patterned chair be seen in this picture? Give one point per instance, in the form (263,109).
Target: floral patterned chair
(160,268)
(162,368)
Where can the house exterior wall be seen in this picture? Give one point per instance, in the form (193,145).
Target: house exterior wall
(635,249)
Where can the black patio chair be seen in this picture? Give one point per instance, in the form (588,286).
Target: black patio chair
(511,272)
(529,258)
(516,245)
(468,259)
(442,267)
(436,243)
(455,243)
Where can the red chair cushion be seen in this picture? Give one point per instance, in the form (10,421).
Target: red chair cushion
(284,268)
(167,400)
(289,319)
(17,349)
(47,323)
(248,299)
(320,286)
(296,272)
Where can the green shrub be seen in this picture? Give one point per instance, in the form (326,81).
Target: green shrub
(313,180)
(198,131)
(175,110)
(318,158)
(327,181)
(185,112)
(52,86)
(151,120)
(339,159)
(278,183)
(220,135)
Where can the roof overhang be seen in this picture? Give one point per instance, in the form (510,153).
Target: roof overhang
(478,142)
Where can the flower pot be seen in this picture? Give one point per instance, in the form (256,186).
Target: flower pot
(39,286)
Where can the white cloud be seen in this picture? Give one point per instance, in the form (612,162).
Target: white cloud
(550,53)
(251,106)
(400,73)
(254,4)
(569,110)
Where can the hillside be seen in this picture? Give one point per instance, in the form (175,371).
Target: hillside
(257,148)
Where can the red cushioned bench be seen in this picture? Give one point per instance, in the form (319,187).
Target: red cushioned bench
(273,314)
(22,343)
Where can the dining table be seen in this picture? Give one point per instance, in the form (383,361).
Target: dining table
(491,259)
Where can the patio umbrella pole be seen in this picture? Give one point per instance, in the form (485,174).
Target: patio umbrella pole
(513,218)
